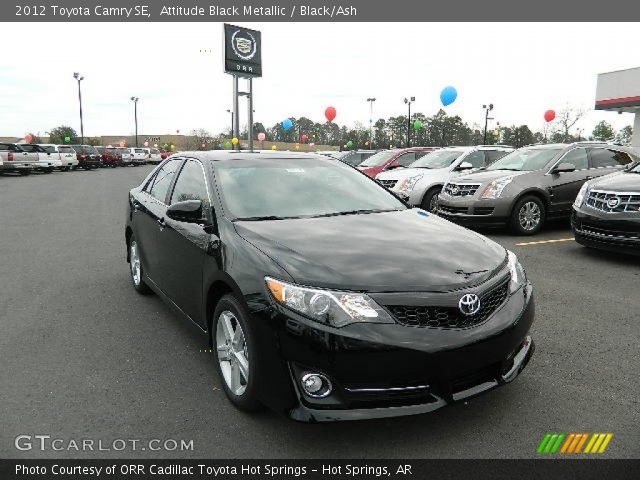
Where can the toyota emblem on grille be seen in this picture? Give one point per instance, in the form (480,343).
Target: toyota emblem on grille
(469,304)
(613,202)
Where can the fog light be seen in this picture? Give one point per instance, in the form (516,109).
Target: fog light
(316,385)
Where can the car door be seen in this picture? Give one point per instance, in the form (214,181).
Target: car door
(564,186)
(184,245)
(26,155)
(607,160)
(150,207)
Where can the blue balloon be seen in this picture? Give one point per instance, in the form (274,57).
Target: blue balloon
(287,124)
(448,95)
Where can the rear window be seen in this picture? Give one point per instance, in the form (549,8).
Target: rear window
(139,150)
(65,149)
(50,149)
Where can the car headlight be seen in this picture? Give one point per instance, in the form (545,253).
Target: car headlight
(407,184)
(333,308)
(581,195)
(518,275)
(495,188)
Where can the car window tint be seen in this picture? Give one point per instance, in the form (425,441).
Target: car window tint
(191,184)
(163,179)
(4,147)
(493,155)
(406,159)
(50,149)
(577,157)
(475,158)
(603,157)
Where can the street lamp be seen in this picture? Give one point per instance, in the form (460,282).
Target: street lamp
(408,101)
(79,78)
(486,119)
(371,100)
(231,112)
(135,115)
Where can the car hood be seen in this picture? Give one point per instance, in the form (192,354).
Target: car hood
(486,176)
(402,173)
(402,251)
(618,182)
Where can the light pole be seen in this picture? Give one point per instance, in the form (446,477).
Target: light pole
(79,78)
(486,120)
(231,112)
(135,115)
(408,102)
(371,100)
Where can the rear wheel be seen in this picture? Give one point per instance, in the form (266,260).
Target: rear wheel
(48,170)
(235,353)
(430,200)
(135,268)
(25,172)
(528,216)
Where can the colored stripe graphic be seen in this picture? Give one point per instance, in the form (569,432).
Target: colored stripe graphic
(573,443)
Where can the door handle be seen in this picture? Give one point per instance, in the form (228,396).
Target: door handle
(161,222)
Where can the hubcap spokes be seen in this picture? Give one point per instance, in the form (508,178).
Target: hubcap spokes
(529,216)
(433,204)
(232,352)
(135,263)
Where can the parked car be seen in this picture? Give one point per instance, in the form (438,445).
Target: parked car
(123,153)
(421,182)
(110,156)
(14,159)
(46,161)
(65,154)
(391,159)
(606,212)
(88,156)
(303,315)
(136,156)
(529,185)
(155,157)
(354,157)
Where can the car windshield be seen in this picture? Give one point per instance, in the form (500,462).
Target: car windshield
(298,188)
(89,149)
(635,169)
(525,159)
(378,159)
(437,159)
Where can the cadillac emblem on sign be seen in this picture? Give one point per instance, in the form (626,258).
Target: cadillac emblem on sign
(242,55)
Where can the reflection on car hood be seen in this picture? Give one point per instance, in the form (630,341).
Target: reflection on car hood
(618,182)
(485,176)
(385,252)
(402,173)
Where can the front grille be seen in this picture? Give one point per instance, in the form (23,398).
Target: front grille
(449,316)
(613,202)
(452,210)
(608,233)
(483,210)
(461,189)
(388,183)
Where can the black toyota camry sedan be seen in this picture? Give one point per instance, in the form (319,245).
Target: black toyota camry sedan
(324,296)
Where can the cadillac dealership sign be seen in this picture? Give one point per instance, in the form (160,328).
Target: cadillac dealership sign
(242,51)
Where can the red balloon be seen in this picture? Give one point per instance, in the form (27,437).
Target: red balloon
(304,137)
(549,115)
(330,113)
(28,138)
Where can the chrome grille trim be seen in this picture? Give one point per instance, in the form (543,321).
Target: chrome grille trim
(388,183)
(629,201)
(461,189)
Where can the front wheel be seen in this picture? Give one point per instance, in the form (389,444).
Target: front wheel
(430,200)
(235,353)
(135,268)
(24,173)
(528,216)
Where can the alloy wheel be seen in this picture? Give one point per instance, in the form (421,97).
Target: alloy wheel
(134,262)
(233,355)
(433,203)
(529,216)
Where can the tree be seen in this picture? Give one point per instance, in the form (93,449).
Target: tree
(518,136)
(603,132)
(623,137)
(58,134)
(95,141)
(199,137)
(565,120)
(34,138)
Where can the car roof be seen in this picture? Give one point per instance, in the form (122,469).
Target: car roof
(226,155)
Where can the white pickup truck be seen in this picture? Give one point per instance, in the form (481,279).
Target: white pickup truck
(46,161)
(14,159)
(64,153)
(135,156)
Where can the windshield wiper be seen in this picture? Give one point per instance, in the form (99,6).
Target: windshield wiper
(356,212)
(260,218)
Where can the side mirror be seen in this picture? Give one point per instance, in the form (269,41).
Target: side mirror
(189,211)
(564,168)
(464,166)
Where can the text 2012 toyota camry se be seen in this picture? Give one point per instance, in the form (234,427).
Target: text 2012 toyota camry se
(325,296)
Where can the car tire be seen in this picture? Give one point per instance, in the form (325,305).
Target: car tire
(135,268)
(235,353)
(528,215)
(48,170)
(429,199)
(24,173)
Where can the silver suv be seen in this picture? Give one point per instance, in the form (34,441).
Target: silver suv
(529,185)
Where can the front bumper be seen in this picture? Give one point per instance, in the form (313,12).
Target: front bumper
(390,370)
(471,211)
(616,232)
(15,166)
(47,165)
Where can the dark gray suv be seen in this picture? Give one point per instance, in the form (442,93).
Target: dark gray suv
(529,185)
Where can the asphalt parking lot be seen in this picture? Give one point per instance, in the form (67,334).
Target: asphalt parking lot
(84,356)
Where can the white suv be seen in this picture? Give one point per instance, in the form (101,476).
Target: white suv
(64,153)
(421,182)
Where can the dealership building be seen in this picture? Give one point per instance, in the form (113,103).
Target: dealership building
(620,92)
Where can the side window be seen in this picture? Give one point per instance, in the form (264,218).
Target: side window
(406,159)
(4,147)
(493,155)
(163,179)
(420,154)
(577,157)
(476,159)
(603,157)
(191,185)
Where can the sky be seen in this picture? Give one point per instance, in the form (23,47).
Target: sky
(176,70)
